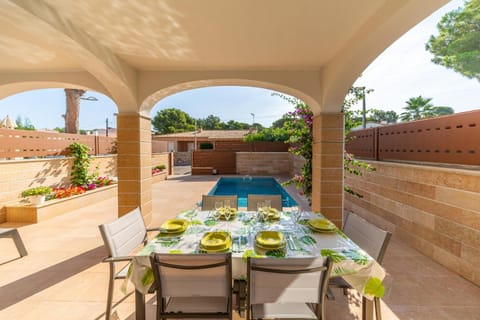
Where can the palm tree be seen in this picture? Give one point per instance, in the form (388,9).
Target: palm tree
(73,110)
(417,108)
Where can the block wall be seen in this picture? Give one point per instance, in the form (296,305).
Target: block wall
(18,175)
(264,163)
(163,158)
(435,210)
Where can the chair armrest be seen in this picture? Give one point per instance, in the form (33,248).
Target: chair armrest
(117,259)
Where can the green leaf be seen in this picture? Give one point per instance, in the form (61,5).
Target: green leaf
(374,287)
(147,278)
(334,255)
(341,234)
(197,222)
(175,251)
(308,240)
(250,253)
(129,271)
(168,243)
(357,256)
(210,222)
(275,253)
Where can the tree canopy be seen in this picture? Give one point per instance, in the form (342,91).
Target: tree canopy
(380,116)
(24,124)
(457,46)
(417,108)
(173,120)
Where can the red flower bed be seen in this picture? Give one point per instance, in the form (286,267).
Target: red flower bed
(67,192)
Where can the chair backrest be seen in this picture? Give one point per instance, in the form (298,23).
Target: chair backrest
(192,275)
(275,201)
(123,235)
(208,202)
(367,236)
(273,280)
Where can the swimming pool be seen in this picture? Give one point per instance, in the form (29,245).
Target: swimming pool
(242,186)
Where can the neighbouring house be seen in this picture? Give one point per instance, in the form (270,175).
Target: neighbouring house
(203,139)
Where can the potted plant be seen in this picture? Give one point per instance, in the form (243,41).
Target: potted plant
(158,169)
(36,195)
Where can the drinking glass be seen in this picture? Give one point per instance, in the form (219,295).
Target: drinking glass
(228,213)
(218,205)
(295,217)
(260,211)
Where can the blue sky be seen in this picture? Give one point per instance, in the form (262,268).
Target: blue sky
(404,70)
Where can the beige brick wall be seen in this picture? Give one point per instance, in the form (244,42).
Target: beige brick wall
(161,158)
(435,210)
(327,166)
(18,175)
(264,163)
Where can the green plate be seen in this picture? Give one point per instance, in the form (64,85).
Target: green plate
(270,239)
(174,225)
(216,241)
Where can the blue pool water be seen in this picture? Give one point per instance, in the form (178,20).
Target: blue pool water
(242,186)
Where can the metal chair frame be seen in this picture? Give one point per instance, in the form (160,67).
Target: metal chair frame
(376,253)
(121,252)
(325,271)
(157,264)
(208,201)
(275,201)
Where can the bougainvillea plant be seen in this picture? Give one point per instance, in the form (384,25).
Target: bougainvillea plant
(299,124)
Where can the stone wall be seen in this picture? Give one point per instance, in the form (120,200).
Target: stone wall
(17,175)
(264,163)
(182,158)
(435,210)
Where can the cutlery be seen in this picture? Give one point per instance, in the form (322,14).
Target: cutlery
(291,243)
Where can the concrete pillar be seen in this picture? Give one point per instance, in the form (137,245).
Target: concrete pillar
(327,165)
(134,164)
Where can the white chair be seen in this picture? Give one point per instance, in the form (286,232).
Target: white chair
(372,240)
(193,285)
(292,288)
(208,202)
(275,201)
(121,238)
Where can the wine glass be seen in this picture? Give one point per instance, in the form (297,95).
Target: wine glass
(228,213)
(218,207)
(260,210)
(294,217)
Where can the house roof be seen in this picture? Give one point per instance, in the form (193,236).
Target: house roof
(206,134)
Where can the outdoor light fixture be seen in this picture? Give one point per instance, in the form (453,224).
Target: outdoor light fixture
(89,98)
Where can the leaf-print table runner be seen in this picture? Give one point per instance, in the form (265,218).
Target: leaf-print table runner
(352,263)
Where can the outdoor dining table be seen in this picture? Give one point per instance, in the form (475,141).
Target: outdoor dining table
(352,263)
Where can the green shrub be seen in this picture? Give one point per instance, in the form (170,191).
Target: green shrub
(36,191)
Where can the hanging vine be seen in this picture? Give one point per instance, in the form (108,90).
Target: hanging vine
(81,164)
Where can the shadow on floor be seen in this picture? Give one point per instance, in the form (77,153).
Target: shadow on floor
(25,287)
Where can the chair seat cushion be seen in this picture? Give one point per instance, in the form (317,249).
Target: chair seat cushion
(282,311)
(197,304)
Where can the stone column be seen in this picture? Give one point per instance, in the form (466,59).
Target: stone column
(327,165)
(134,164)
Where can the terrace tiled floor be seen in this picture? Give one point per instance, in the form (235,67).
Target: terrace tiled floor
(62,277)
